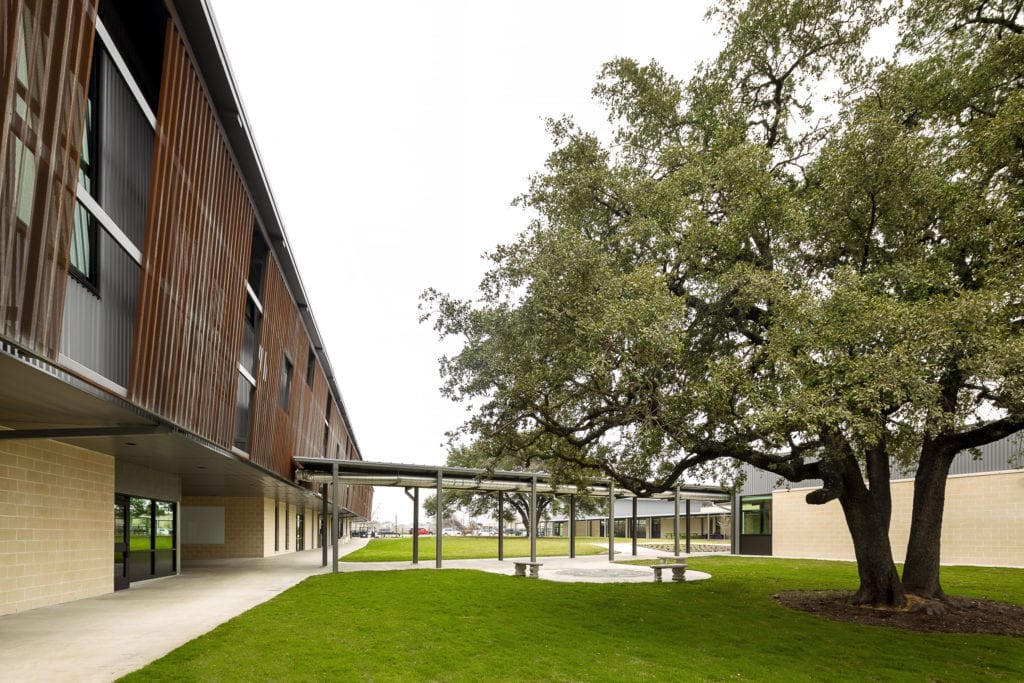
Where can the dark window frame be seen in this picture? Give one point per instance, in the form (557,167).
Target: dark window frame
(287,373)
(310,367)
(89,174)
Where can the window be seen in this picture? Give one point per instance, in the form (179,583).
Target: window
(248,362)
(310,365)
(286,384)
(757,515)
(84,255)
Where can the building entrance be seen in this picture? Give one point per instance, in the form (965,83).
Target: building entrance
(145,539)
(120,542)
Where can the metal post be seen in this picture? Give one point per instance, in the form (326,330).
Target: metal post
(533,519)
(334,517)
(635,530)
(437,520)
(572,526)
(501,526)
(675,524)
(687,526)
(323,522)
(611,522)
(415,525)
(734,542)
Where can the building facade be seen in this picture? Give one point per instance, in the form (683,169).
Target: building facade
(983,520)
(159,362)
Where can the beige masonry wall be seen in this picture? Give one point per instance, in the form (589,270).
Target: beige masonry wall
(243,528)
(56,524)
(983,522)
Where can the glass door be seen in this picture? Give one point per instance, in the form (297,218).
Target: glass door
(120,542)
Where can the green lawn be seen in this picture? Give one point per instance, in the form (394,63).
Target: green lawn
(456,625)
(467,548)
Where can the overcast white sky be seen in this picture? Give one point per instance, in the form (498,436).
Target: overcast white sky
(395,134)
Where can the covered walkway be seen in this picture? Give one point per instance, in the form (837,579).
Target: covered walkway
(412,478)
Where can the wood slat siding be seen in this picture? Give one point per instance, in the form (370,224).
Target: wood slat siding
(34,253)
(188,334)
(276,434)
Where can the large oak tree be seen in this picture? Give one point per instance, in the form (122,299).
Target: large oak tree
(803,258)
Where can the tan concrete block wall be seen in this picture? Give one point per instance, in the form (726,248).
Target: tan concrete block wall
(984,519)
(56,524)
(243,528)
(268,527)
(312,541)
(983,522)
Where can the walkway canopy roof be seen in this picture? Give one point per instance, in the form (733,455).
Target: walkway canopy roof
(321,471)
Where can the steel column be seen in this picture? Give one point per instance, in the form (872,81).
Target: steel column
(533,519)
(572,526)
(636,531)
(437,521)
(501,526)
(334,517)
(675,524)
(611,522)
(323,522)
(415,524)
(687,526)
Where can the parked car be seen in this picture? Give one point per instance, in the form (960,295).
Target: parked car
(423,532)
(448,531)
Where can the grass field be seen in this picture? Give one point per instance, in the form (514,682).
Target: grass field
(467,548)
(456,625)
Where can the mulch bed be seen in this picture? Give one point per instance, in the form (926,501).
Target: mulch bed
(959,615)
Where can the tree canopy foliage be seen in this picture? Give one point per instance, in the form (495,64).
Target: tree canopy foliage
(804,258)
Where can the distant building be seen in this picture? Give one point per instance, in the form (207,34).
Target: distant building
(159,363)
(655,519)
(983,522)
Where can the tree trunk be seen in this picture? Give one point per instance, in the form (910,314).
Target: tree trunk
(921,571)
(868,512)
(869,528)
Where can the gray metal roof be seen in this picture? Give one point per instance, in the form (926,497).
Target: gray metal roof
(321,470)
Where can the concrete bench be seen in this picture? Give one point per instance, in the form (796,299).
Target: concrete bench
(678,571)
(534,569)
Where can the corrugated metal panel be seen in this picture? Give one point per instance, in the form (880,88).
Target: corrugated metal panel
(126,154)
(44,72)
(97,331)
(1004,454)
(199,225)
(994,457)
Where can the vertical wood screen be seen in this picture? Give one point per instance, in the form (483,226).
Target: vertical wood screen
(277,435)
(188,335)
(44,71)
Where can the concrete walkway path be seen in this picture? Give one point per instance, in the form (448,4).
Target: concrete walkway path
(102,638)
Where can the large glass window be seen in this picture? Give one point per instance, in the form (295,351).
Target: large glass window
(757,515)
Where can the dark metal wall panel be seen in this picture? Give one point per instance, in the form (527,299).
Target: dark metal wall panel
(97,331)
(44,70)
(1004,454)
(125,153)
(199,225)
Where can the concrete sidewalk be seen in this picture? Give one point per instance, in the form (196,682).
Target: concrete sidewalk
(102,638)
